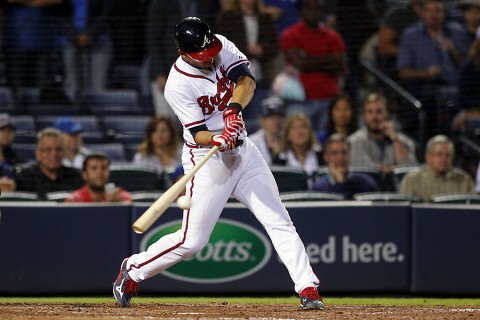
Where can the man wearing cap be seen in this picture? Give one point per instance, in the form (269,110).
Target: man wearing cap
(48,174)
(8,158)
(7,135)
(268,138)
(74,151)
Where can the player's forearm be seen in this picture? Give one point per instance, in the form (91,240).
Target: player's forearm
(244,90)
(204,138)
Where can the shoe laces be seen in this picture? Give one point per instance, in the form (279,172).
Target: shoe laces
(311,293)
(131,287)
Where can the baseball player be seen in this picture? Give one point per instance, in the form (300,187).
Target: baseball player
(207,88)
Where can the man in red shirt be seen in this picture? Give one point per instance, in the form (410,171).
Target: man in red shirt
(96,173)
(319,55)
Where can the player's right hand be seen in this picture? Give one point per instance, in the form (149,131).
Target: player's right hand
(224,141)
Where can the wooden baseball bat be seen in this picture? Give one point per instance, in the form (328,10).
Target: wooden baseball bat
(154,212)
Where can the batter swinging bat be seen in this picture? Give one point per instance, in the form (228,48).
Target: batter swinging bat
(146,220)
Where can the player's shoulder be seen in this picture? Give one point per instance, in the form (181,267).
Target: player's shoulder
(227,45)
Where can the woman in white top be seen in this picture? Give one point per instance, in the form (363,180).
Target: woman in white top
(300,147)
(160,148)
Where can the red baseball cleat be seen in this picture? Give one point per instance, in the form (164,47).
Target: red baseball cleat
(311,300)
(124,287)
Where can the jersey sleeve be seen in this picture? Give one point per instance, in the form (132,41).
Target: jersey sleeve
(231,56)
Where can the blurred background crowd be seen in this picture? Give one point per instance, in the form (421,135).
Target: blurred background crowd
(352,96)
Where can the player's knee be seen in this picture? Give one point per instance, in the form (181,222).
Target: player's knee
(193,246)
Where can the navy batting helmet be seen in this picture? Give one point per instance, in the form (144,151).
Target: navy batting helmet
(195,37)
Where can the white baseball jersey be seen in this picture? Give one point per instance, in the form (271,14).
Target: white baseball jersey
(199,97)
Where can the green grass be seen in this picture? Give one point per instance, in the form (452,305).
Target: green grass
(286,300)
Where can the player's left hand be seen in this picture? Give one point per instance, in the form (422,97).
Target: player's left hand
(233,120)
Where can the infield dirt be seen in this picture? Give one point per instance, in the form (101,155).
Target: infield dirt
(219,310)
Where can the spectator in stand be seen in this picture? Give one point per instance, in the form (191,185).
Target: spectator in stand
(341,118)
(438,176)
(253,32)
(7,136)
(471,17)
(379,144)
(429,60)
(452,7)
(319,55)
(160,149)
(48,174)
(393,23)
(161,49)
(8,158)
(74,152)
(338,179)
(96,174)
(300,148)
(355,21)
(86,46)
(269,138)
(29,39)
(469,84)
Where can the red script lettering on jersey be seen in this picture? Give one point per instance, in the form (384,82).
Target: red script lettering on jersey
(221,98)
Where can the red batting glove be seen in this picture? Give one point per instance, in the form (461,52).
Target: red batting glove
(224,141)
(232,119)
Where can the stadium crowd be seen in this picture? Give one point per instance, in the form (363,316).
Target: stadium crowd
(81,90)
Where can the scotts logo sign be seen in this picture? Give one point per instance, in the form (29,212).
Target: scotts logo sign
(235,251)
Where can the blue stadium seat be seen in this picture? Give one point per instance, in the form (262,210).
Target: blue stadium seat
(108,102)
(125,77)
(26,130)
(138,178)
(375,173)
(93,132)
(54,109)
(89,123)
(126,129)
(6,100)
(130,149)
(25,150)
(115,151)
(27,96)
(290,179)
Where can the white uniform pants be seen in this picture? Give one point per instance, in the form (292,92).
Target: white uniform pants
(243,174)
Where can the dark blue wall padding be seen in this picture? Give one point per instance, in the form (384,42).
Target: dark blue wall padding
(446,249)
(62,249)
(354,248)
